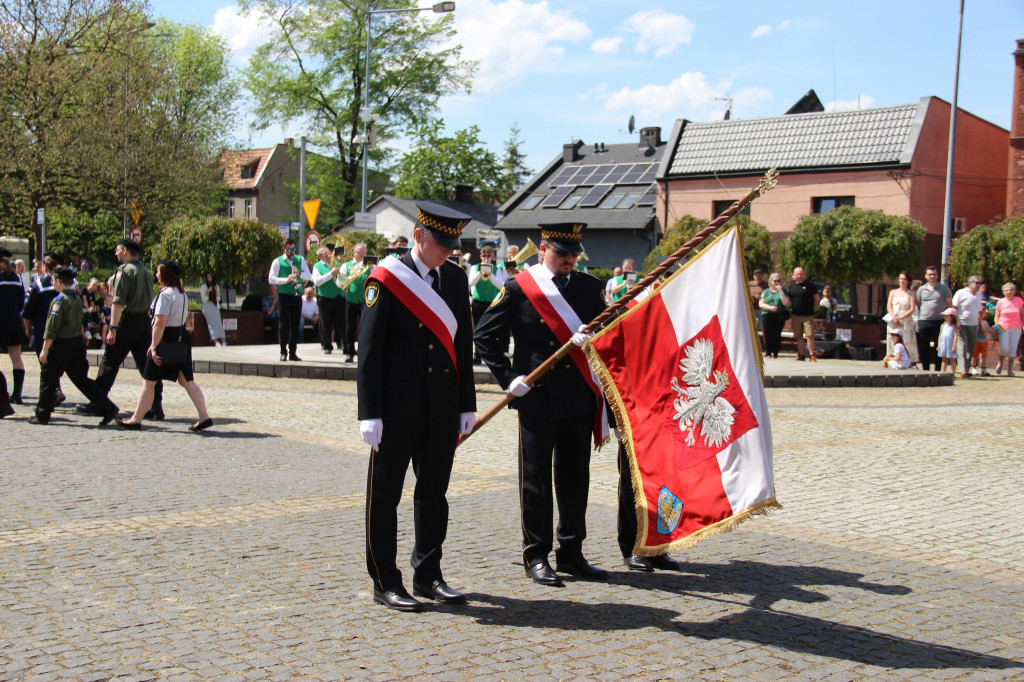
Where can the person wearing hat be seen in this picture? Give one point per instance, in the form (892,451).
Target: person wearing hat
(542,308)
(899,358)
(129,330)
(63,351)
(37,310)
(169,313)
(287,273)
(416,394)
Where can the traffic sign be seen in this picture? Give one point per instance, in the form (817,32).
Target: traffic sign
(366,221)
(312,239)
(136,208)
(311,207)
(135,234)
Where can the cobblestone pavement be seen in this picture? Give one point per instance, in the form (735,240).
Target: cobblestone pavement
(237,554)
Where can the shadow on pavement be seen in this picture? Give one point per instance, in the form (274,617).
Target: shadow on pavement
(765,584)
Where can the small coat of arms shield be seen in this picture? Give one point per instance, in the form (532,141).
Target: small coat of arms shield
(372,294)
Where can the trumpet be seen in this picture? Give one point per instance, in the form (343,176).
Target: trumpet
(485,275)
(527,251)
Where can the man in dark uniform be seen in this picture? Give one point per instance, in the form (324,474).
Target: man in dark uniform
(129,325)
(37,310)
(287,273)
(416,395)
(63,352)
(557,415)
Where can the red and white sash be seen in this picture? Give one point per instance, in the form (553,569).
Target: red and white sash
(421,300)
(537,282)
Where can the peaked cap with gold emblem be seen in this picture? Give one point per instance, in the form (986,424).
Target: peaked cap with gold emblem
(567,236)
(445,223)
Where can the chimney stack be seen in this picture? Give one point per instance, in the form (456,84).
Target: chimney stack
(571,152)
(650,137)
(464,193)
(1015,190)
(289,141)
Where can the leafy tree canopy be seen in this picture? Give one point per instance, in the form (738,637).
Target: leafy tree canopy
(995,252)
(756,242)
(437,163)
(232,249)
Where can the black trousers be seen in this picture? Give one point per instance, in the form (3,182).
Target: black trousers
(332,321)
(289,320)
(928,342)
(627,524)
(133,336)
(772,333)
(431,449)
(67,356)
(353,311)
(561,446)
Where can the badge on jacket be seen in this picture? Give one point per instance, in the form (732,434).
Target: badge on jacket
(372,294)
(497,299)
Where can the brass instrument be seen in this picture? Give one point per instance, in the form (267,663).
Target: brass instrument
(485,275)
(527,251)
(356,274)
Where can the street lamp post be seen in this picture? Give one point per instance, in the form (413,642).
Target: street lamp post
(365,114)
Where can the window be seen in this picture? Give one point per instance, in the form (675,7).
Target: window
(614,198)
(248,208)
(531,202)
(629,199)
(826,204)
(231,209)
(571,201)
(722,205)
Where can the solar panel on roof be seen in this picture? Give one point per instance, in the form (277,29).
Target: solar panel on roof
(634,174)
(556,197)
(563,175)
(650,173)
(649,196)
(615,175)
(594,196)
(599,174)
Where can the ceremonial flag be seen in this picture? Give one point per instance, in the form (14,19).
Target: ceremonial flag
(682,371)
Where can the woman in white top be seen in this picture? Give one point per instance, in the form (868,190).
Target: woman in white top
(170,311)
(209,294)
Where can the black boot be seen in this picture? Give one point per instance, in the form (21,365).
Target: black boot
(19,382)
(5,405)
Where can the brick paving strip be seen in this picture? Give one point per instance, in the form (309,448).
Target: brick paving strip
(238,554)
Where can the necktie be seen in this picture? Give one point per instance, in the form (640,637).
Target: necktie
(435,281)
(561,283)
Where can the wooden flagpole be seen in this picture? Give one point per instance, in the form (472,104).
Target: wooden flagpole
(767,183)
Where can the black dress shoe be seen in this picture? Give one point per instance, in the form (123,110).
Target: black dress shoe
(16,400)
(397,599)
(294,358)
(438,590)
(130,426)
(205,424)
(59,399)
(540,572)
(579,567)
(327,351)
(284,357)
(665,563)
(109,415)
(37,420)
(6,410)
(88,408)
(155,414)
(638,563)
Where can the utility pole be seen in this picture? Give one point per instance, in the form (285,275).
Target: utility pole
(302,195)
(947,211)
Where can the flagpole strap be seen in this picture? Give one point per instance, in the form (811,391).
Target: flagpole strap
(767,183)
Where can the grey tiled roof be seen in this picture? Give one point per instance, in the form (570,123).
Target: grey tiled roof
(883,135)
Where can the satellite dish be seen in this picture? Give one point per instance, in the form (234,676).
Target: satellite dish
(632,124)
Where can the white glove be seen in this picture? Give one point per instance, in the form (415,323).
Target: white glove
(580,337)
(466,422)
(519,387)
(371,430)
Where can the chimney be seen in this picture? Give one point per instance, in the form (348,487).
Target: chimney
(571,152)
(464,193)
(1015,189)
(650,137)
(289,142)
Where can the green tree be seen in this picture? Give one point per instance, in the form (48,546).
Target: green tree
(515,172)
(848,245)
(437,164)
(93,237)
(756,242)
(312,71)
(995,252)
(233,249)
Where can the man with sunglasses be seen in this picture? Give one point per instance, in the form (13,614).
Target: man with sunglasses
(288,272)
(542,308)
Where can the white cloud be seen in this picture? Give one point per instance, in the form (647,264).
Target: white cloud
(783,25)
(862,102)
(762,30)
(606,45)
(513,39)
(244,32)
(689,96)
(662,31)
(598,92)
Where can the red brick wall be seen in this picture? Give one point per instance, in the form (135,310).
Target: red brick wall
(1015,191)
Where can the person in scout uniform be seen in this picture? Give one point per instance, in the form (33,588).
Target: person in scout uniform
(330,298)
(543,307)
(288,272)
(353,278)
(129,330)
(37,309)
(63,351)
(416,395)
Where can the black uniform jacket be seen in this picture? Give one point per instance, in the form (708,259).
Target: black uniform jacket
(562,392)
(405,374)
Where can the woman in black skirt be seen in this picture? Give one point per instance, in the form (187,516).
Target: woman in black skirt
(12,329)
(169,311)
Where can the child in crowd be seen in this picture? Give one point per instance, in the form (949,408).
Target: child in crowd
(947,339)
(981,348)
(899,358)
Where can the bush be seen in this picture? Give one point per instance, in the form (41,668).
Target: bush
(102,274)
(253,303)
(995,252)
(232,249)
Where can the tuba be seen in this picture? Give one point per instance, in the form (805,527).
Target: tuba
(527,251)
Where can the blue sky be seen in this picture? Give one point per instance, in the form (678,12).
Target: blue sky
(578,69)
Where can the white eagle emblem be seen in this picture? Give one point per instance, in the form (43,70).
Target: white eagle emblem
(699,403)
